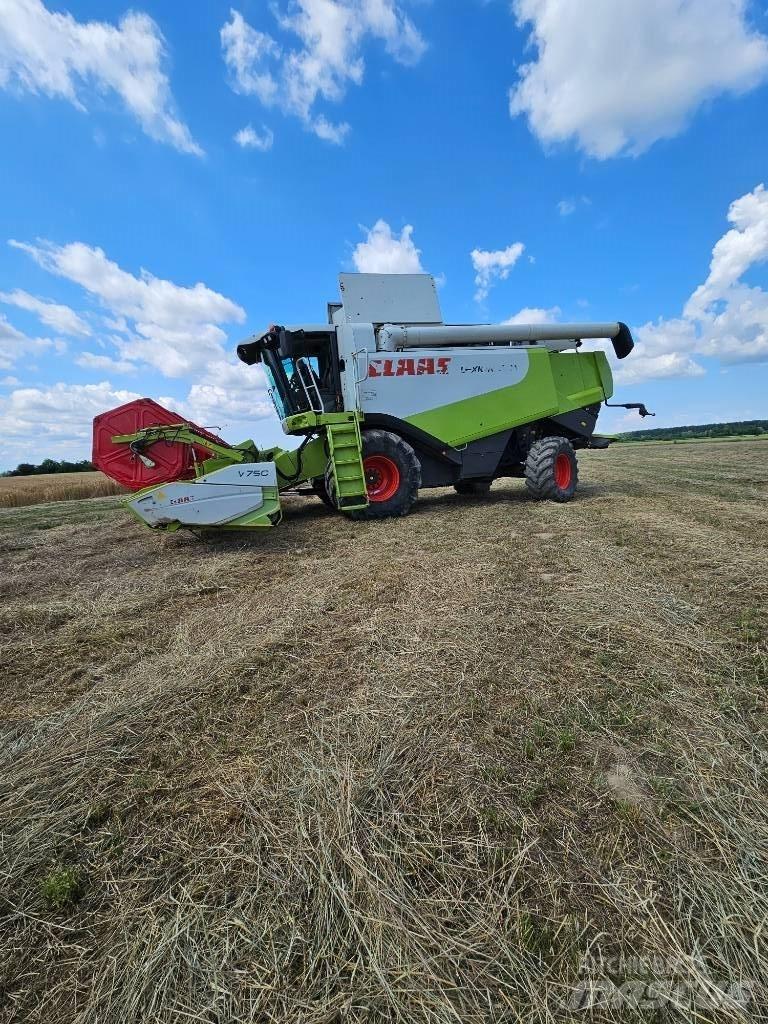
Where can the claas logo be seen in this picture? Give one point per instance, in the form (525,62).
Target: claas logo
(425,366)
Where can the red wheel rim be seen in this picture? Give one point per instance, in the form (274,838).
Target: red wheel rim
(382,477)
(563,471)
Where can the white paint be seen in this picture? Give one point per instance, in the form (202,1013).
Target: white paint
(458,374)
(380,298)
(211,500)
(263,474)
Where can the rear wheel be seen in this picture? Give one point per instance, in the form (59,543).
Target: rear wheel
(392,475)
(475,488)
(551,470)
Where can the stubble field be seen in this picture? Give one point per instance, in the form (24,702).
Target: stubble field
(469,766)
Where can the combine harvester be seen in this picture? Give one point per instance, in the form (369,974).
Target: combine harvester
(387,399)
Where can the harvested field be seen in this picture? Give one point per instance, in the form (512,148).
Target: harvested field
(467,766)
(16,491)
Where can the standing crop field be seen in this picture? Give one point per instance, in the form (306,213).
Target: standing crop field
(470,765)
(16,491)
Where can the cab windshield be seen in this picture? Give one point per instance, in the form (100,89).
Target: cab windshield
(303,383)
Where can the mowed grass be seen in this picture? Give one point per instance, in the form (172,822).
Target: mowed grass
(17,491)
(425,770)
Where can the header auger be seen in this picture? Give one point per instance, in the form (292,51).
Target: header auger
(386,399)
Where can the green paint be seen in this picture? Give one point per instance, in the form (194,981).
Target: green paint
(269,514)
(347,477)
(555,383)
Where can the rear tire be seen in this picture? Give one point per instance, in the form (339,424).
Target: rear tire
(474,488)
(392,473)
(551,470)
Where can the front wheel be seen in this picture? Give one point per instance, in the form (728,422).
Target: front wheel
(551,470)
(392,475)
(320,489)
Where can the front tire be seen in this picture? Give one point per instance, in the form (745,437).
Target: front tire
(320,489)
(551,470)
(392,475)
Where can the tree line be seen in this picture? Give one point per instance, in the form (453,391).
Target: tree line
(50,466)
(702,430)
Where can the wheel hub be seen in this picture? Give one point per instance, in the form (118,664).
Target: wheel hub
(563,471)
(382,477)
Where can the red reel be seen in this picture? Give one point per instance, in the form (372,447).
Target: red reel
(117,461)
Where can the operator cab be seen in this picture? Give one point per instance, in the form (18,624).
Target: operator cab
(302,368)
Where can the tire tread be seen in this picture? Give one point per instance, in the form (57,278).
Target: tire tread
(539,475)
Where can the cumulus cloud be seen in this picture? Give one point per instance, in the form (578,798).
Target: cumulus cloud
(14,345)
(155,323)
(53,422)
(49,52)
(249,138)
(92,361)
(617,75)
(642,366)
(535,315)
(168,326)
(52,314)
(745,244)
(724,318)
(327,58)
(220,407)
(384,253)
(493,266)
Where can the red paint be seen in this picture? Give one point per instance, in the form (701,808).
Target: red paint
(408,367)
(172,461)
(563,471)
(382,477)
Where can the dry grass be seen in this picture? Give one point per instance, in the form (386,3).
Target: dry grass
(17,491)
(426,770)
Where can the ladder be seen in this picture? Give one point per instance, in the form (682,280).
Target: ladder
(345,478)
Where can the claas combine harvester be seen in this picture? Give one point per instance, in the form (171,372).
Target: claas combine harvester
(385,399)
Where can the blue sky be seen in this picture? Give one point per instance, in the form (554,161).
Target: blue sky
(176,177)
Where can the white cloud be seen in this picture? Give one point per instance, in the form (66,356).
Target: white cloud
(568,206)
(60,318)
(54,422)
(617,75)
(249,138)
(641,367)
(48,52)
(745,244)
(493,266)
(385,253)
(724,318)
(214,405)
(246,51)
(330,132)
(329,56)
(535,315)
(173,328)
(91,361)
(14,344)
